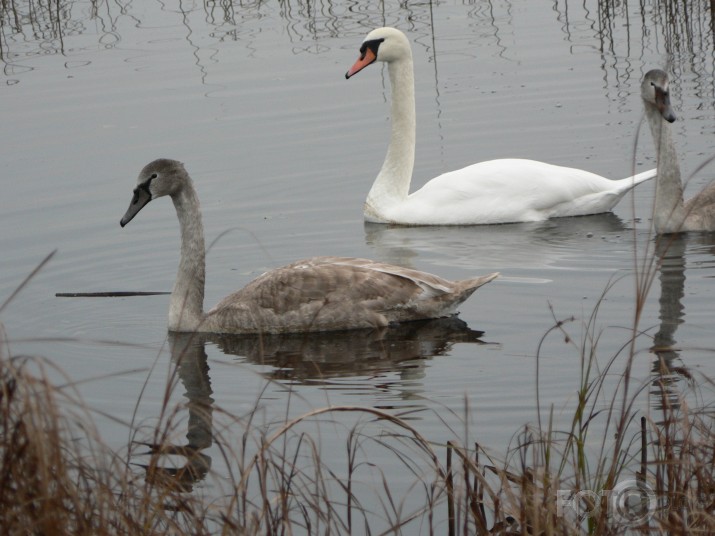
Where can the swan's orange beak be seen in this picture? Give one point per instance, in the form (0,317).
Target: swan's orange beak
(365,59)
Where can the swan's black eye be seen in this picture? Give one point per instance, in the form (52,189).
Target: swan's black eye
(363,49)
(145,185)
(373,45)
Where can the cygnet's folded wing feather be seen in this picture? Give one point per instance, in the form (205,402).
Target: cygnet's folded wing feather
(336,291)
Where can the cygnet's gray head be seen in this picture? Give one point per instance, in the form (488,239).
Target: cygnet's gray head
(654,90)
(158,178)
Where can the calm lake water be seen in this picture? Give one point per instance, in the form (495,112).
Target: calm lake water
(252,97)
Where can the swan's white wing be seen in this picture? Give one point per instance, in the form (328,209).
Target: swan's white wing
(507,190)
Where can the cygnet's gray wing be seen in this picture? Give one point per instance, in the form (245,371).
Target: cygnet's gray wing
(332,293)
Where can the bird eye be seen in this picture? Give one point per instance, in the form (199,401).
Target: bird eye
(363,50)
(153,176)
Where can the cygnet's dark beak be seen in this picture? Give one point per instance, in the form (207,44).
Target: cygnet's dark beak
(141,197)
(662,101)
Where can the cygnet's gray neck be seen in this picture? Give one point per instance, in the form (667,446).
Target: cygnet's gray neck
(669,212)
(187,298)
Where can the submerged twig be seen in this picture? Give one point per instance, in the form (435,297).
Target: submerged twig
(110,294)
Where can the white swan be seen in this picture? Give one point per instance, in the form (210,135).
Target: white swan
(496,191)
(316,294)
(670,213)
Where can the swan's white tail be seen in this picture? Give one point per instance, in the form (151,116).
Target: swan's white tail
(640,177)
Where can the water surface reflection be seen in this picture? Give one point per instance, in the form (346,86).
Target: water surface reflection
(61,28)
(316,358)
(539,244)
(668,370)
(305,359)
(192,370)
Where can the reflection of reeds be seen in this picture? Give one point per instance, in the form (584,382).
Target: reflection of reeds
(35,21)
(685,26)
(685,30)
(628,32)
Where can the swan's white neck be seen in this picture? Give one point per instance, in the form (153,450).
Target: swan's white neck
(392,184)
(187,299)
(669,211)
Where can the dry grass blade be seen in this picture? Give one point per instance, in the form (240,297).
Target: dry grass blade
(27,280)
